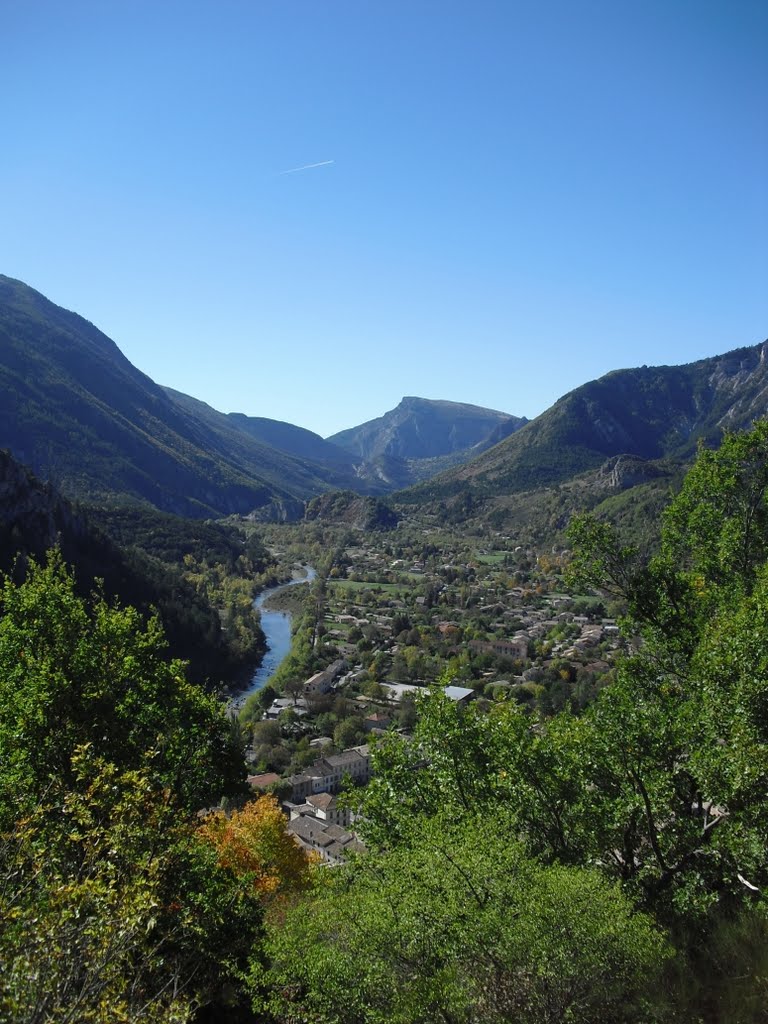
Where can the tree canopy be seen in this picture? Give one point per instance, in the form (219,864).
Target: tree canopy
(606,866)
(114,904)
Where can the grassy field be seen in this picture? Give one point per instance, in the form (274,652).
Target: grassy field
(494,558)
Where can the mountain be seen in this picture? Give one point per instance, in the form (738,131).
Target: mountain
(646,414)
(75,410)
(422,437)
(34,517)
(420,428)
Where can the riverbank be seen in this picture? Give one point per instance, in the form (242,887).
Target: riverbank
(277,606)
(288,599)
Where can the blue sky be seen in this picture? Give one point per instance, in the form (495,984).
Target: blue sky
(510,198)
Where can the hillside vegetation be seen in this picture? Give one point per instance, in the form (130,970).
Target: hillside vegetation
(648,413)
(144,559)
(605,864)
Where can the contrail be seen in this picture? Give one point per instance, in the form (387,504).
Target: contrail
(307,167)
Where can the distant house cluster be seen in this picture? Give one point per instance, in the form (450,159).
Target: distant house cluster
(320,826)
(317,822)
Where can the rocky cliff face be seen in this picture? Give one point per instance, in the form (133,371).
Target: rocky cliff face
(626,471)
(745,382)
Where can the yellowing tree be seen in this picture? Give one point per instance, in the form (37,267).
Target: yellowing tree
(254,842)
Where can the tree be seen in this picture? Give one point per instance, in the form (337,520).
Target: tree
(294,687)
(254,844)
(74,675)
(716,530)
(458,924)
(79,896)
(111,907)
(681,731)
(266,733)
(349,732)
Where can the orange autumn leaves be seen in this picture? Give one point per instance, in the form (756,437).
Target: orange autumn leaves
(253,842)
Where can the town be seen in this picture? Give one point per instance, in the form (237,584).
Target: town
(390,615)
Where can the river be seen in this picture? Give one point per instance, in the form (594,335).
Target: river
(277,631)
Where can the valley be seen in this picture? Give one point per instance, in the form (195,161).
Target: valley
(484,691)
(406,608)
(383,513)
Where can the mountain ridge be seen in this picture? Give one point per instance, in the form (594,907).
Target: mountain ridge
(423,428)
(73,408)
(76,411)
(642,413)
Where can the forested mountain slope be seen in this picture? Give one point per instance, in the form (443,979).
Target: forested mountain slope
(35,518)
(75,410)
(647,413)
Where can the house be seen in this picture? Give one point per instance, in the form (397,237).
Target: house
(325,806)
(279,704)
(263,781)
(460,694)
(322,682)
(378,720)
(327,773)
(331,842)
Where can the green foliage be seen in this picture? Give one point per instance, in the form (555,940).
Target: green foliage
(73,675)
(349,732)
(111,906)
(458,925)
(684,724)
(80,895)
(716,531)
